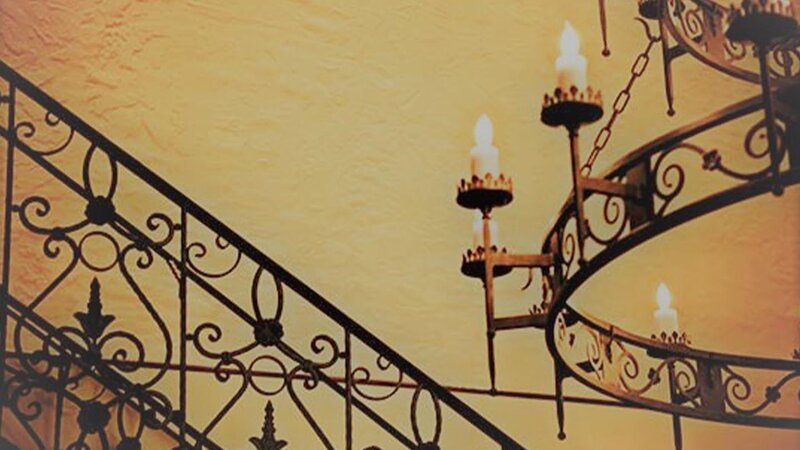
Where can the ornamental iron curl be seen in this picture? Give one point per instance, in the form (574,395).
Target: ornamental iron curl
(26,131)
(361,375)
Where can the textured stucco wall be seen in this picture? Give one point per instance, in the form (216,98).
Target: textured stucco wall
(332,133)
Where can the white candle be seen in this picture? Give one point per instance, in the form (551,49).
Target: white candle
(477,231)
(665,316)
(570,65)
(484,157)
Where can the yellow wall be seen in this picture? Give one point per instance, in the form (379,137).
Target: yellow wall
(332,134)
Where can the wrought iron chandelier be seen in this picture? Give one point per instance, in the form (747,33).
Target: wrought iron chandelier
(662,372)
(88,377)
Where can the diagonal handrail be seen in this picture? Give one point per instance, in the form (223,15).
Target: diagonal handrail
(197,212)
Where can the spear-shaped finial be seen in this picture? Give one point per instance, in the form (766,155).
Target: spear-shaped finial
(267,440)
(93,321)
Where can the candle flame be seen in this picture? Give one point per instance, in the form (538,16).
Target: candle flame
(484,131)
(663,297)
(570,42)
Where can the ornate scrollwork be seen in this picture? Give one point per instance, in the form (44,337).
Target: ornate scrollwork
(76,381)
(568,246)
(699,27)
(667,181)
(738,391)
(362,375)
(615,217)
(92,332)
(312,370)
(144,261)
(630,368)
(785,60)
(198,251)
(669,177)
(26,131)
(34,208)
(157,222)
(690,20)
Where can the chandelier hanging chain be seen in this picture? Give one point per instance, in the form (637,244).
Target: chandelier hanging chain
(621,101)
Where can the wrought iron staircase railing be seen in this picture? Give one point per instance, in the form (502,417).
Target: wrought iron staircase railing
(84,219)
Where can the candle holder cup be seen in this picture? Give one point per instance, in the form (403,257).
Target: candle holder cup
(650,9)
(671,340)
(485,193)
(572,108)
(761,21)
(473,263)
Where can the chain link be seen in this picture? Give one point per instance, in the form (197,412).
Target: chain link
(621,102)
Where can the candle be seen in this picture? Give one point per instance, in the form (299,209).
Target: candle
(570,65)
(484,157)
(665,316)
(477,231)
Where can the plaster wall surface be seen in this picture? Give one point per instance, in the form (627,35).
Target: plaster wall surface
(331,134)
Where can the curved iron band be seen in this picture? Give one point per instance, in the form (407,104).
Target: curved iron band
(692,47)
(686,354)
(690,353)
(649,149)
(645,233)
(648,231)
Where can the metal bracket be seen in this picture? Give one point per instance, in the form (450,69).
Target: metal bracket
(607,187)
(523,260)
